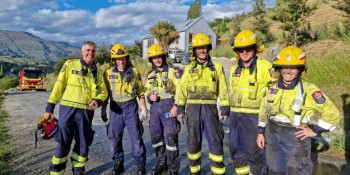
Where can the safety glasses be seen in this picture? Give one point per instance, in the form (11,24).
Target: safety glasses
(242,49)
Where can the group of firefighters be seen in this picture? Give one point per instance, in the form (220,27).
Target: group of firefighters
(269,107)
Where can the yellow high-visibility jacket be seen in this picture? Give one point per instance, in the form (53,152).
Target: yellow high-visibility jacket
(163,83)
(124,88)
(248,85)
(278,105)
(202,84)
(77,89)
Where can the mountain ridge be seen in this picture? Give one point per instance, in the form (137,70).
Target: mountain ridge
(19,44)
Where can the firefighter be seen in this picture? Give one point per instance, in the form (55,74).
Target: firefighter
(202,83)
(249,77)
(285,113)
(164,127)
(82,89)
(124,85)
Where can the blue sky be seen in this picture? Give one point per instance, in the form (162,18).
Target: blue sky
(106,21)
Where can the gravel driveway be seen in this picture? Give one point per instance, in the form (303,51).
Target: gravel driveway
(25,109)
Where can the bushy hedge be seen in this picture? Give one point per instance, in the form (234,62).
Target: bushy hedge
(8,82)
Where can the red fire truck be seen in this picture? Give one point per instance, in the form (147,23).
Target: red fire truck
(31,79)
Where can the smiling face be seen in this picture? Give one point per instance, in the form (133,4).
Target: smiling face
(88,53)
(202,52)
(157,61)
(246,54)
(289,74)
(121,63)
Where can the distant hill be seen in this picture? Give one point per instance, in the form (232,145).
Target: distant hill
(25,45)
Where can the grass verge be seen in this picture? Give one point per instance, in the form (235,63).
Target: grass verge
(5,146)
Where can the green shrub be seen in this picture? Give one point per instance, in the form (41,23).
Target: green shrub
(5,147)
(8,82)
(222,51)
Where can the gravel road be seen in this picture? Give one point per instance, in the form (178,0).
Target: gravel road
(25,109)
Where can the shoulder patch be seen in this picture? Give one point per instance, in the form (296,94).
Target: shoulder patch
(177,75)
(318,97)
(272,72)
(63,68)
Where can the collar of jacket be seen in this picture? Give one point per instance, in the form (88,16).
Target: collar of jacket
(292,85)
(93,68)
(209,64)
(128,71)
(165,69)
(251,66)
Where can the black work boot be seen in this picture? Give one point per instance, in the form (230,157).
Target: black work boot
(118,167)
(78,173)
(159,169)
(141,169)
(172,172)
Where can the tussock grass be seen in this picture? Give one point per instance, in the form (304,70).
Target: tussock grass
(5,146)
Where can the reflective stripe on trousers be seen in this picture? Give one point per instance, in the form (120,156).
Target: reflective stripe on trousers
(245,154)
(125,114)
(204,118)
(73,123)
(164,133)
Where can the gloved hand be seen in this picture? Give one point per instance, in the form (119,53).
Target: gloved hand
(143,114)
(225,112)
(47,116)
(104,115)
(223,118)
(182,118)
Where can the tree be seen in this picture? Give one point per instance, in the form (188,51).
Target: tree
(261,26)
(195,10)
(135,51)
(102,55)
(293,14)
(219,26)
(165,33)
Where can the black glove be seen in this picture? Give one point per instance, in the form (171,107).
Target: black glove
(104,115)
(225,111)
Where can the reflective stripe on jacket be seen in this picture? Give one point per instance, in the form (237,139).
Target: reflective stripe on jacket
(277,105)
(163,83)
(124,88)
(248,85)
(202,84)
(77,89)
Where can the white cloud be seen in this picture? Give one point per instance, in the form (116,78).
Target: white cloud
(123,21)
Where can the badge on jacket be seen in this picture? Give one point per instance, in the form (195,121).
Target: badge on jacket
(63,68)
(113,76)
(273,91)
(194,71)
(76,72)
(236,74)
(177,75)
(318,97)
